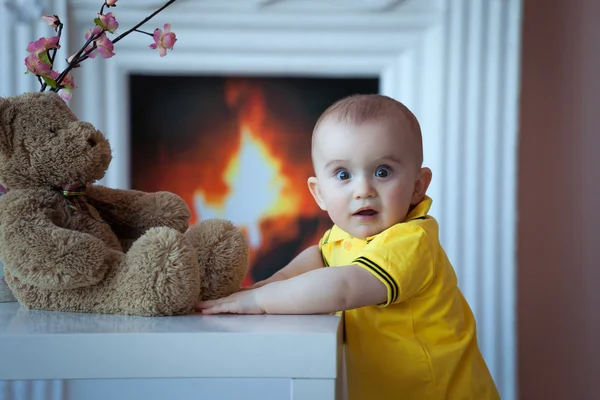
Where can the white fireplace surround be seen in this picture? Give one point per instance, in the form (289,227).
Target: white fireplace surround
(454,63)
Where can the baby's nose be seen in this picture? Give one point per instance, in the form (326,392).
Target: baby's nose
(364,189)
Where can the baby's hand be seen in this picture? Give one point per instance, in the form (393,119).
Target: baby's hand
(245,302)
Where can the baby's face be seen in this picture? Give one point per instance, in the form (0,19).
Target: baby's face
(365,175)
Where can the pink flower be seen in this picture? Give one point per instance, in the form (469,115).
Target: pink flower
(92,32)
(163,40)
(107,22)
(51,20)
(65,94)
(111,3)
(68,84)
(103,44)
(96,31)
(43,44)
(39,67)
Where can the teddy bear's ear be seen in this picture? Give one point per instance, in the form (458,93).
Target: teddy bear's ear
(6,112)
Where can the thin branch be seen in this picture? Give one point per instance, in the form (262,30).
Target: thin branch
(44,84)
(144,32)
(75,59)
(52,56)
(60,27)
(148,18)
(86,55)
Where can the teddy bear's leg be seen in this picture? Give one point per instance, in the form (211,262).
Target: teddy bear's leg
(222,253)
(160,275)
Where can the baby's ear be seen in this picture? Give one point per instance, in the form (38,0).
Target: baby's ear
(6,115)
(421,185)
(313,186)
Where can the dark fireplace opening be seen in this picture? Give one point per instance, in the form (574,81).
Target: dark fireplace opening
(237,148)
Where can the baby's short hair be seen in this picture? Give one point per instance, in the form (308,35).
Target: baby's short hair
(361,108)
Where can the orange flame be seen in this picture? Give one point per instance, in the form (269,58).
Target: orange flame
(252,172)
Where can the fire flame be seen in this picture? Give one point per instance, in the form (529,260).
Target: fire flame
(257,189)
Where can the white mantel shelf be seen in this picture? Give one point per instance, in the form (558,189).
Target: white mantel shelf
(43,345)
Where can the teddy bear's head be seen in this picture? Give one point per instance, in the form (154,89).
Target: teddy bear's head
(44,145)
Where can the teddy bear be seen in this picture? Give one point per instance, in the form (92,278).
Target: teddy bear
(69,244)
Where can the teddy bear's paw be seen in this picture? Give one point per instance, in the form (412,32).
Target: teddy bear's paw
(161,275)
(164,209)
(222,251)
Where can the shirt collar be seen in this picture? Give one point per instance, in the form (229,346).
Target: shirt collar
(418,212)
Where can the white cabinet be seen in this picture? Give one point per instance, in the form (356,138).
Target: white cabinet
(52,355)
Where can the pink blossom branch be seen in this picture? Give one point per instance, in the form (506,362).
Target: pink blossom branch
(78,56)
(91,44)
(75,60)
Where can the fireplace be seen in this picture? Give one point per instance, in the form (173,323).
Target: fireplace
(237,148)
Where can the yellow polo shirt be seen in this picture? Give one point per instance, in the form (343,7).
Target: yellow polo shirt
(421,343)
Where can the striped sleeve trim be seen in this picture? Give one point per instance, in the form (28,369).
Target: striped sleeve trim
(322,242)
(324,259)
(326,238)
(381,273)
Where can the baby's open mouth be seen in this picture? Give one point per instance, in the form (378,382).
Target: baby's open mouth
(366,213)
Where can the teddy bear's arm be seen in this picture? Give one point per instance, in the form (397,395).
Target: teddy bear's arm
(39,253)
(144,210)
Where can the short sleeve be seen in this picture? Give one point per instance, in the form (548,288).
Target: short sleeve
(401,259)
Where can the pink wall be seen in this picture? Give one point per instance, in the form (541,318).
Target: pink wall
(559,201)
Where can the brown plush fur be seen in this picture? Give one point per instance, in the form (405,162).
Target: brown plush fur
(144,262)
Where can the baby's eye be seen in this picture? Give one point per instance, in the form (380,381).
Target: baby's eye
(342,175)
(383,172)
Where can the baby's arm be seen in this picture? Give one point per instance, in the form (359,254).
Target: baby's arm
(322,290)
(308,260)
